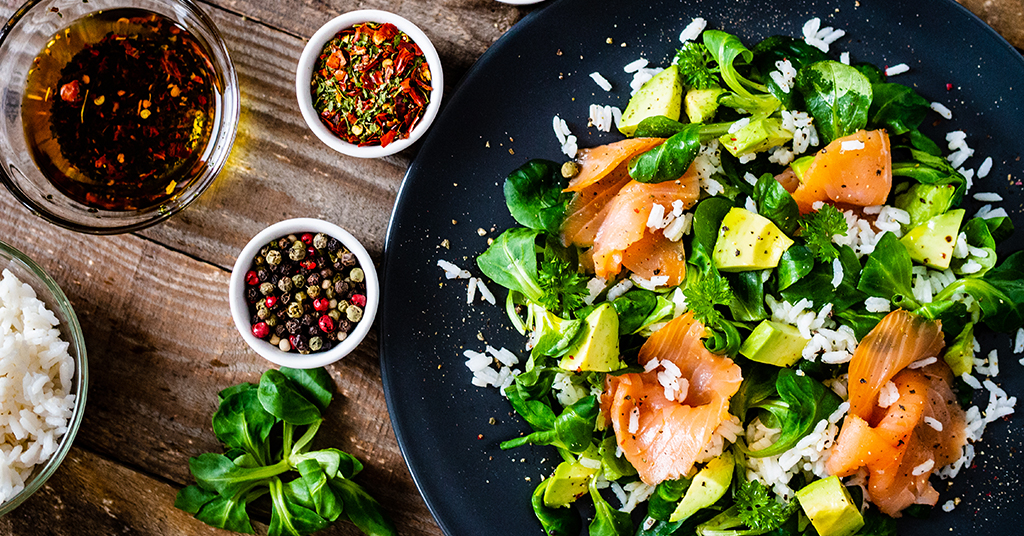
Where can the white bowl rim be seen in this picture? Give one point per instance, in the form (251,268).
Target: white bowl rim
(240,309)
(304,73)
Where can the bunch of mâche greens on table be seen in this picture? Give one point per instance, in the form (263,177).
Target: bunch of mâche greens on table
(268,430)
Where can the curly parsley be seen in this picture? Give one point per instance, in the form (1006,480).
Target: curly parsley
(819,228)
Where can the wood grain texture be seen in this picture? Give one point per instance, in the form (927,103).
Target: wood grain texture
(161,346)
(154,305)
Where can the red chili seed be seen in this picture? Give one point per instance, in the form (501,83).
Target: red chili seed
(251,278)
(321,304)
(261,330)
(307,238)
(326,324)
(271,302)
(359,299)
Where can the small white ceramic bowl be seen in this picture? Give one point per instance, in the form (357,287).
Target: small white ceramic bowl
(240,309)
(304,74)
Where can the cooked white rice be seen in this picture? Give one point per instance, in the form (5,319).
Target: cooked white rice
(35,381)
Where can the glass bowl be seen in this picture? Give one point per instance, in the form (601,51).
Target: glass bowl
(71,332)
(25,35)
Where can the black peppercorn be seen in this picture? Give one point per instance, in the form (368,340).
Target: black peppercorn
(280,330)
(307,320)
(252,294)
(333,244)
(283,243)
(348,258)
(313,331)
(293,326)
(301,345)
(340,288)
(326,273)
(313,280)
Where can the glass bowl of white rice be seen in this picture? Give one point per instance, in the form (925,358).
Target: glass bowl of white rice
(43,377)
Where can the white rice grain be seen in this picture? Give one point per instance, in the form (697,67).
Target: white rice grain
(693,30)
(636,65)
(601,81)
(923,468)
(941,109)
(899,68)
(988,197)
(985,168)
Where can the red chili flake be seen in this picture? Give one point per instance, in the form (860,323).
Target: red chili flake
(309,264)
(359,299)
(949,87)
(479,436)
(251,278)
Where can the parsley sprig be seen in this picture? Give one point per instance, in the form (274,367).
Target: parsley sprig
(819,228)
(694,63)
(704,294)
(564,287)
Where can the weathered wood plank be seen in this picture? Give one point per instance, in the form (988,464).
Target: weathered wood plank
(1005,16)
(162,345)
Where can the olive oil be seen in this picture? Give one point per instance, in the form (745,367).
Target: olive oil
(119,109)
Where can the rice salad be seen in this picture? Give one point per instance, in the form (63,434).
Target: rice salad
(36,373)
(858,274)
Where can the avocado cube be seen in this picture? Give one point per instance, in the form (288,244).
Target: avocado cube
(924,201)
(748,241)
(661,95)
(758,135)
(707,486)
(597,349)
(702,104)
(932,242)
(800,166)
(830,508)
(567,484)
(774,343)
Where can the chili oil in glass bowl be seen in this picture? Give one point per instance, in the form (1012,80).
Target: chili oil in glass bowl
(124,111)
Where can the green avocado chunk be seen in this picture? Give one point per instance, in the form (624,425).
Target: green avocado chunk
(830,508)
(707,486)
(661,95)
(800,165)
(774,343)
(702,104)
(567,484)
(924,201)
(932,242)
(748,241)
(597,349)
(757,135)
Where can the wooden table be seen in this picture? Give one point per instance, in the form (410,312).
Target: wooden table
(153,304)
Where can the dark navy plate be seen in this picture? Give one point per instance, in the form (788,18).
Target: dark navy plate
(501,115)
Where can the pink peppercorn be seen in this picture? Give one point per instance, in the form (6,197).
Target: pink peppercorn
(260,330)
(271,301)
(326,324)
(321,304)
(359,299)
(307,238)
(251,278)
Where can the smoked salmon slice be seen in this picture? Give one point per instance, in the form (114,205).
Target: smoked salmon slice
(852,170)
(596,162)
(625,218)
(900,339)
(663,437)
(901,445)
(587,208)
(653,255)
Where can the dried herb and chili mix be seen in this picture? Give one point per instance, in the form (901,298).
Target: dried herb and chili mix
(119,109)
(371,84)
(305,292)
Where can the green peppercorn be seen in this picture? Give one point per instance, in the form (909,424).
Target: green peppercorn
(258,260)
(292,238)
(285,284)
(266,288)
(294,309)
(300,297)
(298,281)
(354,313)
(261,311)
(272,320)
(320,241)
(356,274)
(342,305)
(273,257)
(296,254)
(315,344)
(313,291)
(334,314)
(329,291)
